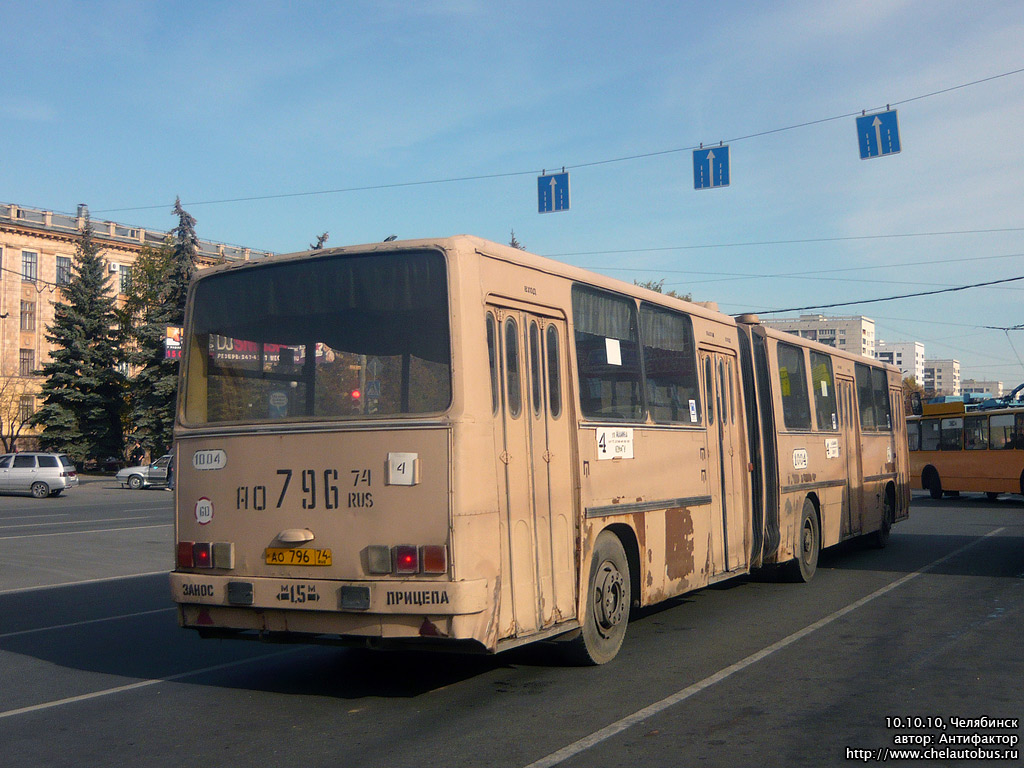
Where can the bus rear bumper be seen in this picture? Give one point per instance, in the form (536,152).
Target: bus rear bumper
(416,597)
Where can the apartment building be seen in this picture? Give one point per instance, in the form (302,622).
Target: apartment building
(942,377)
(908,356)
(990,388)
(853,333)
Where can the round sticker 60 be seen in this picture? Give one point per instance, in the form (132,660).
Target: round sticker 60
(204,511)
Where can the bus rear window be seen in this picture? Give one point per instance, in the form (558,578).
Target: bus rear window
(332,337)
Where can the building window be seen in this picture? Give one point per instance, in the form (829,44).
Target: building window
(63,270)
(26,362)
(26,407)
(29,265)
(126,279)
(28,315)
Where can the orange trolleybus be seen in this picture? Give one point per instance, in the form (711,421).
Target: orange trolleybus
(455,443)
(954,447)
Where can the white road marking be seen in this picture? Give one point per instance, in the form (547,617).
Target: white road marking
(142,684)
(83,623)
(91,530)
(595,738)
(83,581)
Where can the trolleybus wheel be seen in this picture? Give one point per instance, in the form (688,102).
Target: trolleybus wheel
(992,495)
(606,608)
(808,546)
(934,485)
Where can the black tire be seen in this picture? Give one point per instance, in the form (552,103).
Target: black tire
(40,490)
(934,485)
(135,482)
(606,605)
(880,537)
(992,495)
(808,545)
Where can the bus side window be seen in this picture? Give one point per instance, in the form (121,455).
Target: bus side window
(492,359)
(930,431)
(796,405)
(554,373)
(537,386)
(515,400)
(709,389)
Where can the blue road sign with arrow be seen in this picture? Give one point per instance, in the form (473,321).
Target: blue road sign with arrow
(878,134)
(711,167)
(553,193)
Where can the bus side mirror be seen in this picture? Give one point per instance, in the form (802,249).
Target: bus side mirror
(915,403)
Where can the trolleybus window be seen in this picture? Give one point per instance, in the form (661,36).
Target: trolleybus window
(930,433)
(796,409)
(824,391)
(951,436)
(976,433)
(670,366)
(536,384)
(333,337)
(1002,431)
(606,354)
(914,435)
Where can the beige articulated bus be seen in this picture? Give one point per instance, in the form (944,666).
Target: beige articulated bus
(453,443)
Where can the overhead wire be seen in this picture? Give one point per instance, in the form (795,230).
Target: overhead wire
(589,164)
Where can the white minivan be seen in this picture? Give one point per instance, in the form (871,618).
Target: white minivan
(41,474)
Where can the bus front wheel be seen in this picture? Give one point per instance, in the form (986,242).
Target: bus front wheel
(934,485)
(606,610)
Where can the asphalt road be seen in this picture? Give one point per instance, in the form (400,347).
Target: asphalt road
(94,670)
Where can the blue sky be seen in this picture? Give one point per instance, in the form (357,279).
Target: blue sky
(124,105)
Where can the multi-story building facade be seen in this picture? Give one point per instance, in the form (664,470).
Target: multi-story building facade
(37,250)
(942,377)
(908,356)
(855,334)
(990,388)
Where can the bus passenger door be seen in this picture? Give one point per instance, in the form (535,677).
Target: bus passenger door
(725,454)
(535,473)
(852,519)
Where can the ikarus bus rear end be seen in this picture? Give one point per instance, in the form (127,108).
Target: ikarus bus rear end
(314,452)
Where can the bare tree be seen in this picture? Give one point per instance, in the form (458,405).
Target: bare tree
(319,244)
(16,409)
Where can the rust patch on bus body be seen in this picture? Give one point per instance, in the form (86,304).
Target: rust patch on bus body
(678,543)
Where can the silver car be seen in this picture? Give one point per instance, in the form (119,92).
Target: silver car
(41,474)
(145,475)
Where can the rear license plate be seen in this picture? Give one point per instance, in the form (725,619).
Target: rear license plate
(299,556)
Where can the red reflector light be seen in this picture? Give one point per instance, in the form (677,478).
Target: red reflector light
(434,558)
(406,559)
(202,556)
(185,554)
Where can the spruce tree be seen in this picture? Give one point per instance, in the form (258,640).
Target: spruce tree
(157,300)
(83,395)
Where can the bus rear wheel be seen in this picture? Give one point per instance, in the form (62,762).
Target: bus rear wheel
(808,546)
(606,609)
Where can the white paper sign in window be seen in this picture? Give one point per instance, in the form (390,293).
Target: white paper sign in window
(613,350)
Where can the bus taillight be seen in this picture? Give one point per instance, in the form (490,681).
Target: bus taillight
(434,558)
(204,554)
(406,559)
